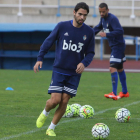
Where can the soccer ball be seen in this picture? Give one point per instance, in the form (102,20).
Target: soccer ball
(122,115)
(86,111)
(100,131)
(76,108)
(69,111)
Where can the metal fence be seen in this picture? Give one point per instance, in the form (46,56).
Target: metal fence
(132,40)
(58,5)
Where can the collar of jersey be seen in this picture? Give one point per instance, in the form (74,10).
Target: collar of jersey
(75,27)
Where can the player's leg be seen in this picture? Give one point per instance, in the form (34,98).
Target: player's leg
(61,108)
(53,101)
(55,89)
(58,114)
(114,75)
(122,77)
(50,104)
(114,80)
(69,90)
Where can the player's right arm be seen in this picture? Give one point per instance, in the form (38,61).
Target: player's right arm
(48,43)
(98,27)
(45,47)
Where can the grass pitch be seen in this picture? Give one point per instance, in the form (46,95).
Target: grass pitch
(20,108)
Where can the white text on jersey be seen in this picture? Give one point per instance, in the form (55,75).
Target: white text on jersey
(72,47)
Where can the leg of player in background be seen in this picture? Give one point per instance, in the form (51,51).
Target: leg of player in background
(114,79)
(122,77)
(58,114)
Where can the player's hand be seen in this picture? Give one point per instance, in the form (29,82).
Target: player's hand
(37,64)
(102,34)
(80,68)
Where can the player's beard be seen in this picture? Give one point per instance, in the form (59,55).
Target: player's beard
(78,21)
(105,15)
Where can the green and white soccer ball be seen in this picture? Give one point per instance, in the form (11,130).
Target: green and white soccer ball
(76,108)
(122,115)
(100,131)
(69,111)
(86,111)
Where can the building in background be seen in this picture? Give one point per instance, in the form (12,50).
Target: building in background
(25,24)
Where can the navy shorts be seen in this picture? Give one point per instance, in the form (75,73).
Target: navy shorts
(117,54)
(61,83)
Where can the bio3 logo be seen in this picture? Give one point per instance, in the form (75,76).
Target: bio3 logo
(72,47)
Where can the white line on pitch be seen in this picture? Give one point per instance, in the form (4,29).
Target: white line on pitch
(66,121)
(107,70)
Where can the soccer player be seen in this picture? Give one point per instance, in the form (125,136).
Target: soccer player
(111,29)
(74,52)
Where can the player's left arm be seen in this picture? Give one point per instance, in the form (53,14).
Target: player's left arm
(89,54)
(80,68)
(117,29)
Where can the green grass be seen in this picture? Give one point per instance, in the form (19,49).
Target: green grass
(20,108)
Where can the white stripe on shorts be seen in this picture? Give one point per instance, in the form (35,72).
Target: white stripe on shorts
(55,88)
(70,90)
(124,59)
(117,59)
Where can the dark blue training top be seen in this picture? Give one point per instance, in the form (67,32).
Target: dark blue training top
(111,26)
(74,45)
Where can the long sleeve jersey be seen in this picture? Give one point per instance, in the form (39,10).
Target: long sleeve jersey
(111,26)
(73,46)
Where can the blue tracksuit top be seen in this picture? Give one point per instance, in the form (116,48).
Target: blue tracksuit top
(73,45)
(114,32)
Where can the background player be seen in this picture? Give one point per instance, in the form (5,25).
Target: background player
(112,30)
(74,52)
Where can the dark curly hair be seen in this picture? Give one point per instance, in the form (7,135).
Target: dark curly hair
(82,5)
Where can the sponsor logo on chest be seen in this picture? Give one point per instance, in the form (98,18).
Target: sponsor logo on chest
(73,47)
